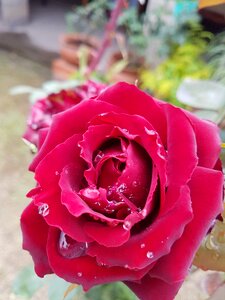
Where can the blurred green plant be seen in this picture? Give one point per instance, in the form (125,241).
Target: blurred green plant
(89,18)
(185,62)
(131,25)
(216,57)
(28,283)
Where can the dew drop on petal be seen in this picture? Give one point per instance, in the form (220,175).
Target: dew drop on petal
(144,212)
(79,274)
(126,266)
(127,225)
(69,248)
(121,188)
(56,173)
(142,246)
(150,254)
(135,183)
(43,209)
(149,132)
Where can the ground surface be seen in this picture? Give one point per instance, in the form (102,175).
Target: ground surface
(14,158)
(15,181)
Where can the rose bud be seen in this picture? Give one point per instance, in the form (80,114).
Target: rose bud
(40,116)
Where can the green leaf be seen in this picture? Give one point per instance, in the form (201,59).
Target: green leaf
(57,288)
(113,291)
(27,283)
(205,94)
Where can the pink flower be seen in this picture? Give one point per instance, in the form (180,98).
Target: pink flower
(41,113)
(128,186)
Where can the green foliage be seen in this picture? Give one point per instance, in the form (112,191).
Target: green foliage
(185,62)
(27,283)
(216,57)
(132,25)
(173,29)
(114,291)
(89,17)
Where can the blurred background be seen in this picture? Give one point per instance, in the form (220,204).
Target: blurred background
(174,49)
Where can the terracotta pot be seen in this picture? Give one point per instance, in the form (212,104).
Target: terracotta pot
(61,69)
(131,71)
(71,43)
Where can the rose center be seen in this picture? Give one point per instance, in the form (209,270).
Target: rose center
(123,172)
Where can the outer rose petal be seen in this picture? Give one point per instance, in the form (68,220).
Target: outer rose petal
(208,141)
(156,239)
(154,289)
(54,162)
(84,270)
(75,121)
(182,149)
(35,234)
(207,204)
(134,101)
(59,216)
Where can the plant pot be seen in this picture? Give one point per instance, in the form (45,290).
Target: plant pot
(72,42)
(62,69)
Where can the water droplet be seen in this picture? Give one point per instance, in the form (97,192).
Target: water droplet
(142,246)
(34,126)
(149,132)
(162,242)
(98,157)
(126,266)
(135,183)
(125,130)
(70,248)
(56,173)
(150,254)
(127,225)
(43,209)
(144,212)
(90,193)
(79,274)
(121,188)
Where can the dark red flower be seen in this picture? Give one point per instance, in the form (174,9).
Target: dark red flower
(128,187)
(41,113)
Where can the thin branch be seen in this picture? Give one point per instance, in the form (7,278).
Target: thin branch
(108,35)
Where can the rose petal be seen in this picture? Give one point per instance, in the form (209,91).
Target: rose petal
(134,101)
(105,235)
(207,204)
(35,234)
(84,270)
(208,140)
(58,216)
(48,171)
(182,151)
(75,121)
(151,243)
(154,289)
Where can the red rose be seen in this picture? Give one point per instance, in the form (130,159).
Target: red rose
(127,188)
(41,113)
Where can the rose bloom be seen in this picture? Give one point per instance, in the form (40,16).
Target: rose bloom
(40,116)
(127,187)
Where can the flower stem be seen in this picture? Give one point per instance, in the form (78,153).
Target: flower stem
(108,35)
